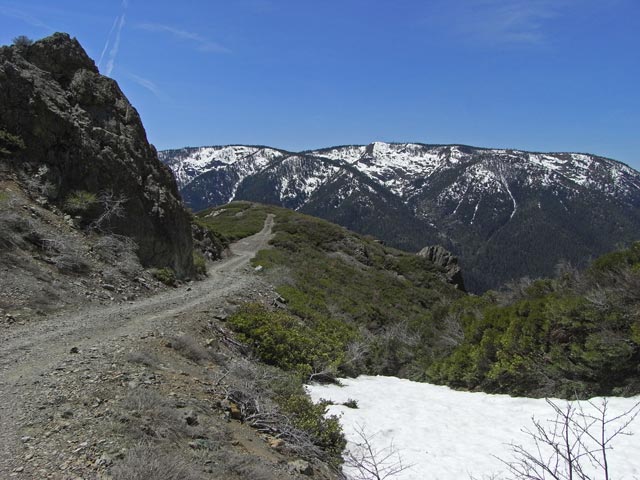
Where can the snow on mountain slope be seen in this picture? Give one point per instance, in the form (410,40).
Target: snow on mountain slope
(290,182)
(446,434)
(505,213)
(407,168)
(189,163)
(394,166)
(401,167)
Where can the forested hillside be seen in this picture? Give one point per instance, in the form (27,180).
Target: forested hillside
(351,305)
(575,334)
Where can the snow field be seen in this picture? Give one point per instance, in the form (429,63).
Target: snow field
(448,434)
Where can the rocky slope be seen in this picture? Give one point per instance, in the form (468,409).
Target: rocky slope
(69,133)
(505,213)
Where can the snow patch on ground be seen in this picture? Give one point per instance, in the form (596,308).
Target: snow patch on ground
(447,434)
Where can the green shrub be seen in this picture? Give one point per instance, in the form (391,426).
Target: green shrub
(310,417)
(10,143)
(189,348)
(199,263)
(326,272)
(82,203)
(165,275)
(551,342)
(615,260)
(288,392)
(285,341)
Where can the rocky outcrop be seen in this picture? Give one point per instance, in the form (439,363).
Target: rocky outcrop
(80,133)
(447,261)
(213,247)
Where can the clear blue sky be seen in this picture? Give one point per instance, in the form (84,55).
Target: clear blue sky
(545,75)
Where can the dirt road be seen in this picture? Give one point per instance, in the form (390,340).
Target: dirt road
(30,352)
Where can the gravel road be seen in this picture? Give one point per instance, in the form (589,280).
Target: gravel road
(31,352)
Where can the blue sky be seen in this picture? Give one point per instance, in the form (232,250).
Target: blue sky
(544,75)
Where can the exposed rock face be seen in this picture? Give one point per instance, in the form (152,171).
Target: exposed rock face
(445,259)
(81,133)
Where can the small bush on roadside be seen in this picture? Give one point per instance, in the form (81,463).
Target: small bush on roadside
(119,251)
(326,432)
(280,400)
(199,263)
(72,262)
(165,275)
(151,417)
(189,348)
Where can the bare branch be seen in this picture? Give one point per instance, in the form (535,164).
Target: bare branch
(372,463)
(573,437)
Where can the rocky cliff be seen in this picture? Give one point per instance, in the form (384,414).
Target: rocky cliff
(73,130)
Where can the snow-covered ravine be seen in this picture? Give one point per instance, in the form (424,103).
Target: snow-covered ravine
(446,434)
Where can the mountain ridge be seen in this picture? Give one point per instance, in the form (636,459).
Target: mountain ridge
(478,202)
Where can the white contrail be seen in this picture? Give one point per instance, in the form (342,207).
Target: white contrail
(116,46)
(202,43)
(146,83)
(106,44)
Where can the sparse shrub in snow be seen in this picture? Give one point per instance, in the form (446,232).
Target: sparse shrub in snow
(369,462)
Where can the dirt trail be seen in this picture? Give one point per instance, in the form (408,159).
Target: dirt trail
(32,351)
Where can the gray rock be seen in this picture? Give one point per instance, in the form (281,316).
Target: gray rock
(301,466)
(191,418)
(444,259)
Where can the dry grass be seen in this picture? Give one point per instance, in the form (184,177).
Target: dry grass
(151,417)
(189,347)
(120,251)
(146,462)
(72,262)
(143,358)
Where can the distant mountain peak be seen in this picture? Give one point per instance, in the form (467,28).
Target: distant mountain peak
(505,213)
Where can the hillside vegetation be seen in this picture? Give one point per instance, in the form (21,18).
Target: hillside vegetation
(575,335)
(351,305)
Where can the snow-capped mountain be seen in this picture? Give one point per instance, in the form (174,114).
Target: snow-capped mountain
(506,213)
